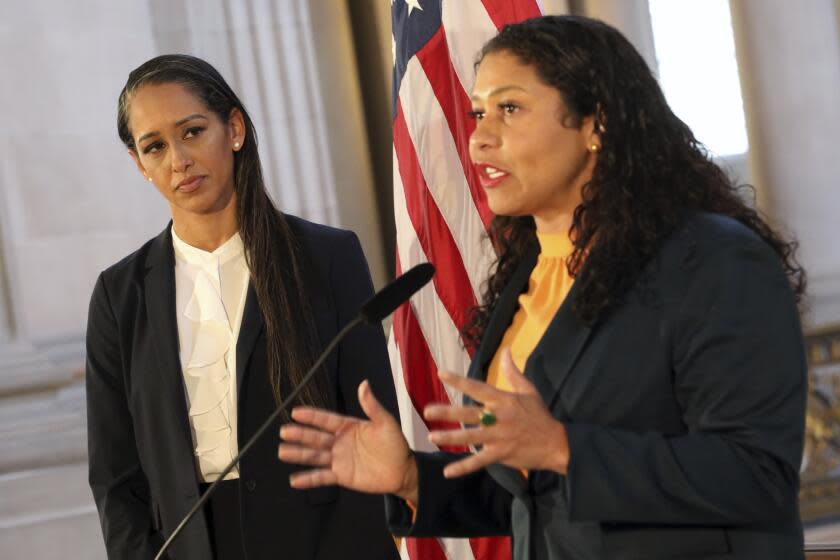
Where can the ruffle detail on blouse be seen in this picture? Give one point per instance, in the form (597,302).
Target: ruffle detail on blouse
(206,373)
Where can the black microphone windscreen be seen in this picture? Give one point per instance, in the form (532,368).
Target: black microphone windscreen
(384,302)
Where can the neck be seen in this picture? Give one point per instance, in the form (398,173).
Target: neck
(207,232)
(557,217)
(560,222)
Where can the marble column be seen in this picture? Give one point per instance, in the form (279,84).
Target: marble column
(631,18)
(789,59)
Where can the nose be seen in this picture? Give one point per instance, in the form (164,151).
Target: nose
(181,160)
(483,138)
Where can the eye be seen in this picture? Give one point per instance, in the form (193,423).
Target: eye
(509,108)
(475,114)
(193,131)
(153,148)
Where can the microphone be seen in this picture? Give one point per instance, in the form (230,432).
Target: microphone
(391,296)
(382,304)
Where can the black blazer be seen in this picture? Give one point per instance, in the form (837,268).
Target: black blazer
(684,407)
(142,469)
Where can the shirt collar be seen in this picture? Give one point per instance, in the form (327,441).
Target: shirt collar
(228,250)
(555,244)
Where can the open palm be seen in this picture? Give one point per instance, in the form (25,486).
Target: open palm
(364,455)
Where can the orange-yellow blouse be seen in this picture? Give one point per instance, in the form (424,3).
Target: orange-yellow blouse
(548,286)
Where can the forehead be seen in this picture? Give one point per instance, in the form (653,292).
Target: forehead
(502,69)
(156,106)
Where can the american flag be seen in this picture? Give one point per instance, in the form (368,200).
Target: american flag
(440,211)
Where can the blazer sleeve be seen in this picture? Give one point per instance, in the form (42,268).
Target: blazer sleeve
(740,378)
(120,488)
(468,506)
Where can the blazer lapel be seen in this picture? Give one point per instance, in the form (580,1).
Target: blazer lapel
(501,317)
(551,361)
(548,365)
(160,309)
(510,479)
(249,332)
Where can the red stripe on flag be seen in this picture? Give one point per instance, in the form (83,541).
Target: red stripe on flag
(453,100)
(490,548)
(424,548)
(503,12)
(451,281)
(424,387)
(419,368)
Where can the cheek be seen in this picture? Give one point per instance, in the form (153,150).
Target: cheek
(154,166)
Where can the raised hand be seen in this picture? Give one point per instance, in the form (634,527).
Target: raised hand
(364,455)
(524,435)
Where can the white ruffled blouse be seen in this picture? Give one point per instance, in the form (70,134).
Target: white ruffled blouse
(210,293)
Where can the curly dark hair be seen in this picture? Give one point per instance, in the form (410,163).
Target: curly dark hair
(649,173)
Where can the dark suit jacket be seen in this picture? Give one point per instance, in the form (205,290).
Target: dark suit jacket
(684,407)
(142,469)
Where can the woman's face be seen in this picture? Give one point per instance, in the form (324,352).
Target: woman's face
(184,148)
(528,161)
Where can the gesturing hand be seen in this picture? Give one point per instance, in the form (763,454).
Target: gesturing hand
(524,436)
(363,455)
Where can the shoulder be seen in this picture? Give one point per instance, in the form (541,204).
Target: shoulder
(123,273)
(336,262)
(313,232)
(717,229)
(704,236)
(321,242)
(711,256)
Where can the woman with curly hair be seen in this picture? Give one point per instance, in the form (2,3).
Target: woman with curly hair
(639,382)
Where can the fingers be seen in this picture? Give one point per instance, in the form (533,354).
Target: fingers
(469,436)
(462,414)
(471,464)
(319,418)
(309,437)
(518,382)
(370,406)
(313,479)
(301,455)
(481,392)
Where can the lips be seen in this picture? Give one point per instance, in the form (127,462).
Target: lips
(190,184)
(489,175)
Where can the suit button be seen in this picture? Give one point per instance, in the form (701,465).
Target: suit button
(250,485)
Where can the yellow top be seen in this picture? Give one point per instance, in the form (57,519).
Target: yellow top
(548,286)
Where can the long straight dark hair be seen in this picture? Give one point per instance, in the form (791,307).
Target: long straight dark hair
(271,250)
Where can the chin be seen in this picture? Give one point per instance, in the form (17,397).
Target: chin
(508,210)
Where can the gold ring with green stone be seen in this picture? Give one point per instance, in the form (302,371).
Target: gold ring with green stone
(487,418)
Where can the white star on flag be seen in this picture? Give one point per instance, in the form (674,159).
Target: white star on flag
(412,5)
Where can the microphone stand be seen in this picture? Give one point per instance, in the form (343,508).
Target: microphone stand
(286,402)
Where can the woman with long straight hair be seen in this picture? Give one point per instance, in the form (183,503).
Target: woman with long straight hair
(638,388)
(195,337)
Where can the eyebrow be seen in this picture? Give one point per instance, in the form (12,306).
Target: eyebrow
(179,123)
(497,91)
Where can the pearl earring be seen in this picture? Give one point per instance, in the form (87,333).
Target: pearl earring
(149,179)
(236,145)
(594,148)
